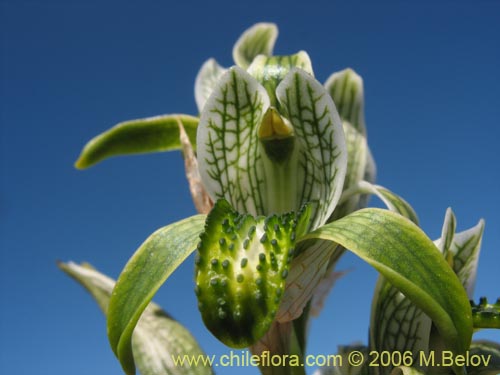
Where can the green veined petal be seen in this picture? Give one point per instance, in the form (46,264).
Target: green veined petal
(357,157)
(270,70)
(206,80)
(322,153)
(346,89)
(257,40)
(228,147)
(153,134)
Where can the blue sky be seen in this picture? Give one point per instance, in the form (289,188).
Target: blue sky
(71,69)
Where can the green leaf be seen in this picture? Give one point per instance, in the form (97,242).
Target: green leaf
(241,267)
(153,134)
(346,90)
(158,340)
(157,337)
(206,80)
(257,40)
(97,284)
(408,259)
(322,155)
(393,201)
(146,271)
(397,324)
(488,350)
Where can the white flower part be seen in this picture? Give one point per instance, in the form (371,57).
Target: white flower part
(322,163)
(206,80)
(228,147)
(261,172)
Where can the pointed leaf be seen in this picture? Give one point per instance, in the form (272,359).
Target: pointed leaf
(146,271)
(257,40)
(228,149)
(153,134)
(241,267)
(157,336)
(346,90)
(404,255)
(322,153)
(206,80)
(96,283)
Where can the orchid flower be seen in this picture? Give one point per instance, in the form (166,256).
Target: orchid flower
(280,163)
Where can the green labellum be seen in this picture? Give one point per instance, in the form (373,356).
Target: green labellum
(241,268)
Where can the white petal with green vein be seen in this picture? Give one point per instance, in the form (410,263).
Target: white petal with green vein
(257,40)
(229,155)
(322,158)
(206,80)
(346,89)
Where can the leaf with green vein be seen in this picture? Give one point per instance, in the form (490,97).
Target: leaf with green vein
(393,201)
(404,255)
(322,159)
(145,272)
(257,40)
(488,350)
(271,70)
(397,324)
(153,134)
(157,336)
(241,267)
(357,157)
(346,90)
(206,80)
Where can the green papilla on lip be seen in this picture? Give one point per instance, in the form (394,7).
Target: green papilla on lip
(241,267)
